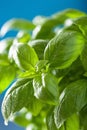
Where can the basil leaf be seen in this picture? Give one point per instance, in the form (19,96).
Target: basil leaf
(72,123)
(35,106)
(25,117)
(5,45)
(64,49)
(17,24)
(84,57)
(83,118)
(39,46)
(7,75)
(46,88)
(73,73)
(41,65)
(50,121)
(19,95)
(80,23)
(23,37)
(24,56)
(4,60)
(44,31)
(74,97)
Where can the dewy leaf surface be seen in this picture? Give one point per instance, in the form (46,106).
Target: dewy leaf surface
(18,96)
(72,100)
(64,49)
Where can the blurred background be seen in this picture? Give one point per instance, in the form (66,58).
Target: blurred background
(28,9)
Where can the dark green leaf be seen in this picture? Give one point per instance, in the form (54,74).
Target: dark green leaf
(83,118)
(64,49)
(50,121)
(17,24)
(72,100)
(72,73)
(19,95)
(24,56)
(46,88)
(39,46)
(84,57)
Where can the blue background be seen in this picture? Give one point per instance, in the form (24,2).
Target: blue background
(28,9)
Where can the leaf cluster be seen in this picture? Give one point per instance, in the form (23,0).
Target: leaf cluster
(48,59)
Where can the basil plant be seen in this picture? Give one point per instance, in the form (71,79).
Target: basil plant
(45,65)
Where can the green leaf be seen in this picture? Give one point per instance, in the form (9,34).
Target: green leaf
(4,60)
(19,95)
(39,46)
(25,117)
(41,65)
(46,88)
(83,118)
(72,123)
(17,24)
(7,75)
(81,23)
(74,97)
(84,57)
(35,106)
(64,49)
(45,30)
(5,45)
(50,121)
(23,37)
(73,73)
(24,56)
(39,20)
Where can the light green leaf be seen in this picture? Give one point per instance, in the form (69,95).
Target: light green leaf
(41,65)
(72,100)
(72,123)
(64,49)
(45,30)
(24,56)
(19,95)
(25,117)
(17,24)
(5,45)
(46,88)
(39,46)
(23,37)
(4,59)
(81,23)
(39,20)
(7,75)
